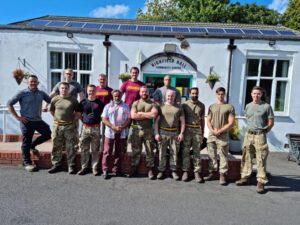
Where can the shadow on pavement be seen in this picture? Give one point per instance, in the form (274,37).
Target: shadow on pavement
(284,183)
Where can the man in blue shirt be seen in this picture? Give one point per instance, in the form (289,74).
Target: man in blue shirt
(30,100)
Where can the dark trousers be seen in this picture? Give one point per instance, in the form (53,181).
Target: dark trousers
(28,130)
(109,144)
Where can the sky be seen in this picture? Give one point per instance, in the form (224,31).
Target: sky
(18,10)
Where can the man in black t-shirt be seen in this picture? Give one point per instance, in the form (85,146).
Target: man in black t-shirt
(90,134)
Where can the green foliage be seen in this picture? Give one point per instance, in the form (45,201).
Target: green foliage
(213,77)
(208,11)
(291,17)
(235,133)
(124,76)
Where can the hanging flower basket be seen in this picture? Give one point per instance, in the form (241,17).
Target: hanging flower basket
(211,79)
(19,75)
(124,77)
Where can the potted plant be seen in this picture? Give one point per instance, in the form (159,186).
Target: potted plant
(235,138)
(212,78)
(19,75)
(124,76)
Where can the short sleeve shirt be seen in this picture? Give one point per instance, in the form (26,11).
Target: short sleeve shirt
(92,111)
(193,112)
(131,90)
(64,108)
(170,115)
(220,113)
(160,94)
(75,88)
(143,106)
(117,114)
(257,115)
(104,94)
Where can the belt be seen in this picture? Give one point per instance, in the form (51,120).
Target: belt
(193,125)
(169,128)
(59,123)
(91,125)
(256,132)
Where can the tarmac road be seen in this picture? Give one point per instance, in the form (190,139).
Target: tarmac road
(61,199)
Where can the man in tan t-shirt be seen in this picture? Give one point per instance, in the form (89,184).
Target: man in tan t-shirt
(220,120)
(65,110)
(169,129)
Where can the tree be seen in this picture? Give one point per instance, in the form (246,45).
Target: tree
(291,17)
(208,11)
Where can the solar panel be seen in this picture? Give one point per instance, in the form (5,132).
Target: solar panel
(56,23)
(145,28)
(75,24)
(251,31)
(127,27)
(180,29)
(159,28)
(198,30)
(110,27)
(286,32)
(93,25)
(215,30)
(269,32)
(233,31)
(38,23)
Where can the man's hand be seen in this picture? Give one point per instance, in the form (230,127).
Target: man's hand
(180,137)
(157,137)
(22,119)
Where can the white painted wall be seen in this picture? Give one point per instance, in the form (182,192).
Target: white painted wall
(33,46)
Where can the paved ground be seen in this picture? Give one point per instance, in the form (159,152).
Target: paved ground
(61,199)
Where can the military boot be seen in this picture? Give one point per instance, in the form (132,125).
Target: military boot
(160,175)
(150,174)
(83,171)
(223,179)
(242,181)
(199,178)
(175,176)
(260,188)
(54,169)
(133,171)
(185,176)
(71,170)
(211,176)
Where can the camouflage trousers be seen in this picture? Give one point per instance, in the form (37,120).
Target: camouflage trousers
(90,142)
(137,139)
(255,144)
(168,139)
(192,138)
(218,146)
(67,137)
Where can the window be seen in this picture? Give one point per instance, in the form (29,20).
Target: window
(272,76)
(81,63)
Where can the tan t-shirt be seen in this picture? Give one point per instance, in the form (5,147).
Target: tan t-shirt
(170,115)
(143,106)
(219,114)
(64,108)
(193,112)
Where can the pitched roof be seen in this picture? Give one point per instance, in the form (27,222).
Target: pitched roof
(155,28)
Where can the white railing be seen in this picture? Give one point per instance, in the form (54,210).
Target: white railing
(4,112)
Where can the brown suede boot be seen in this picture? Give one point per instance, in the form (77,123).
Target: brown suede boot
(199,178)
(260,188)
(185,176)
(242,181)
(223,179)
(211,176)
(150,174)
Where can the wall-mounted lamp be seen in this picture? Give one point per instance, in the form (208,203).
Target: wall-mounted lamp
(272,43)
(70,35)
(170,48)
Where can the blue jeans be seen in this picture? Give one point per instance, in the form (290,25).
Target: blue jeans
(28,130)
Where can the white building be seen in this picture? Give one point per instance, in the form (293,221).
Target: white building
(242,55)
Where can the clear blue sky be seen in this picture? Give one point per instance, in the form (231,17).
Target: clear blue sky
(18,10)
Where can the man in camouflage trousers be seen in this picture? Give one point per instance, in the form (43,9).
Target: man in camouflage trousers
(169,129)
(90,132)
(220,120)
(143,111)
(260,120)
(65,110)
(194,111)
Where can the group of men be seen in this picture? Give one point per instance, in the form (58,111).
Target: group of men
(173,127)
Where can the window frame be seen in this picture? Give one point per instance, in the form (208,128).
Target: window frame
(275,81)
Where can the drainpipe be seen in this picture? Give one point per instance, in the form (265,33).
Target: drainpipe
(231,47)
(107,44)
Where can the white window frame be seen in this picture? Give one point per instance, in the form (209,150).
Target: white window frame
(273,56)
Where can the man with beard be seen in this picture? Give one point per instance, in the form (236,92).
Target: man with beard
(143,111)
(116,117)
(194,111)
(169,129)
